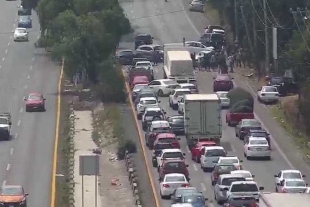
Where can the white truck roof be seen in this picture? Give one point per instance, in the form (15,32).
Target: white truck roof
(179,55)
(284,200)
(199,97)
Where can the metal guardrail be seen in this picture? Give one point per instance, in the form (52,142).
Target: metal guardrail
(71,157)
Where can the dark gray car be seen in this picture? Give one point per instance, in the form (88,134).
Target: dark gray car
(177,124)
(177,194)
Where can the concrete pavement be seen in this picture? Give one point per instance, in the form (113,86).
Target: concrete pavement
(26,159)
(168,23)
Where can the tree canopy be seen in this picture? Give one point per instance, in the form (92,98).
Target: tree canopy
(85,33)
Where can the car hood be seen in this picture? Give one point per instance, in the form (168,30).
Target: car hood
(34,102)
(7,199)
(196,204)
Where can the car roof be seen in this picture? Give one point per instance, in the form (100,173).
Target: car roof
(186,188)
(229,157)
(186,84)
(294,179)
(171,150)
(218,30)
(166,135)
(153,109)
(257,130)
(165,80)
(143,35)
(244,182)
(12,186)
(146,90)
(269,87)
(148,98)
(249,120)
(218,92)
(290,171)
(231,176)
(173,160)
(176,117)
(257,138)
(160,122)
(144,61)
(174,175)
(213,147)
(223,77)
(182,89)
(240,171)
(35,94)
(20,28)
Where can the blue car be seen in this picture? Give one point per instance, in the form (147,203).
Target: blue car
(196,199)
(24,22)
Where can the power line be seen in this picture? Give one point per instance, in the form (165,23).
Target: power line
(265,11)
(274,19)
(298,9)
(261,21)
(302,36)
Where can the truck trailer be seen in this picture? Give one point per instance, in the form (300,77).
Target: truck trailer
(284,200)
(202,118)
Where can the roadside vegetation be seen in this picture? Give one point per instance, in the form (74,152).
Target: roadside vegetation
(293,48)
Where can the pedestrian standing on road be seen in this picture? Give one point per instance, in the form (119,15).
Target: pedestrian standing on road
(238,59)
(155,57)
(212,61)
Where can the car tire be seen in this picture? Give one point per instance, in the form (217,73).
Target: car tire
(27,109)
(197,160)
(160,93)
(170,103)
(268,158)
(229,123)
(43,109)
(174,106)
(138,116)
(154,164)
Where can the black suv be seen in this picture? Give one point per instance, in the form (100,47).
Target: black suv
(284,83)
(143,39)
(24,12)
(215,40)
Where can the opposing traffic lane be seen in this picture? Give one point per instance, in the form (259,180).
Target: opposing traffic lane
(179,25)
(29,156)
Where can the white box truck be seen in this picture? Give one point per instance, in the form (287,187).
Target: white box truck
(178,65)
(284,200)
(202,118)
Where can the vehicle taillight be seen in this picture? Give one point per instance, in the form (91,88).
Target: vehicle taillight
(284,190)
(215,176)
(175,144)
(166,186)
(185,185)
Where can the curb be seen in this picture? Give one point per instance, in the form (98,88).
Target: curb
(71,158)
(133,178)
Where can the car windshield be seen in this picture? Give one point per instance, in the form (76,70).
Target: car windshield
(34,97)
(149,102)
(166,140)
(193,199)
(258,134)
(215,153)
(225,168)
(3,120)
(258,142)
(189,87)
(174,166)
(169,82)
(178,122)
(229,161)
(244,187)
(173,155)
(21,30)
(217,37)
(162,146)
(295,183)
(222,95)
(11,191)
(139,87)
(175,179)
(223,78)
(251,123)
(228,181)
(180,93)
(23,18)
(143,64)
(270,89)
(153,113)
(143,37)
(276,80)
(186,191)
(291,175)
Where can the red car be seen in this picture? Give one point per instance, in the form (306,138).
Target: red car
(167,138)
(139,80)
(196,150)
(35,102)
(173,166)
(223,82)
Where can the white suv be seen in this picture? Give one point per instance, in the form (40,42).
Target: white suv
(181,106)
(176,95)
(145,103)
(163,87)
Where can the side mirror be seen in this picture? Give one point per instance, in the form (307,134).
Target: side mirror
(188,179)
(25,99)
(10,123)
(184,154)
(159,179)
(26,194)
(303,176)
(214,161)
(278,184)
(213,77)
(178,138)
(152,38)
(240,160)
(275,176)
(225,189)
(253,176)
(306,184)
(165,112)
(261,188)
(206,199)
(187,165)
(159,101)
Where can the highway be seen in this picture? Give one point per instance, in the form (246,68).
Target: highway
(168,23)
(27,158)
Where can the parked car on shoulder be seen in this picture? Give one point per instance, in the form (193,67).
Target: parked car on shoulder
(268,94)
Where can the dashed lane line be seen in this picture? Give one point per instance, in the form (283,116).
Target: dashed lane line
(18,123)
(6,51)
(8,167)
(28,77)
(4,183)
(12,151)
(16,135)
(21,110)
(195,167)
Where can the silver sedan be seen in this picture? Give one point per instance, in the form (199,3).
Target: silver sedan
(197,6)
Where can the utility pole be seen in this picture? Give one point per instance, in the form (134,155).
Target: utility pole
(254,29)
(266,39)
(236,21)
(247,32)
(275,48)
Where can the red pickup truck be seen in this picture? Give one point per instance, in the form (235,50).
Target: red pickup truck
(232,119)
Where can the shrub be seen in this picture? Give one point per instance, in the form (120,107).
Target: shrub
(243,106)
(127,145)
(238,94)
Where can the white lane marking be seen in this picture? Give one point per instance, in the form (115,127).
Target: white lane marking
(18,123)
(189,20)
(24,98)
(9,43)
(233,148)
(203,187)
(28,77)
(12,151)
(16,135)
(272,139)
(195,167)
(14,26)
(4,183)
(211,204)
(31,67)
(21,110)
(3,59)
(32,60)
(0,66)
(8,167)
(6,51)
(12,30)
(25,87)
(11,37)
(188,150)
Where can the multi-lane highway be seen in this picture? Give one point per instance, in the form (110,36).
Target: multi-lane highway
(168,22)
(27,158)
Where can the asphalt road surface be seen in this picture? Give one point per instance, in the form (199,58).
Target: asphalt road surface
(168,23)
(27,158)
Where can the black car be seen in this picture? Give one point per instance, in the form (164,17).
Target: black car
(143,39)
(177,124)
(257,133)
(285,84)
(179,192)
(157,151)
(244,201)
(23,12)
(24,22)
(215,40)
(145,92)
(125,57)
